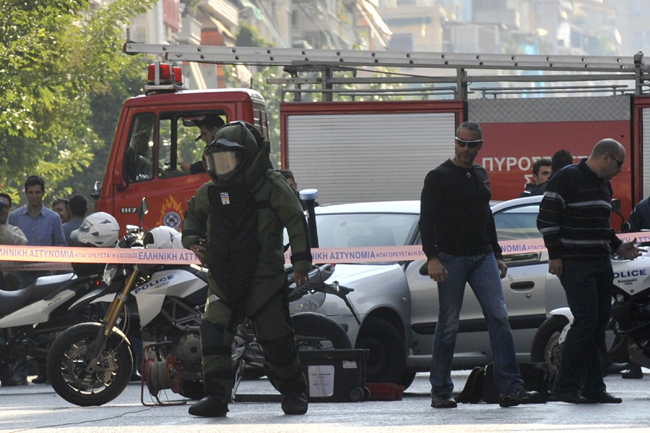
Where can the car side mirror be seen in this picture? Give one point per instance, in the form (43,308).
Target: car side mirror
(97,190)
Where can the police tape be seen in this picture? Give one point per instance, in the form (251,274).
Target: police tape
(59,258)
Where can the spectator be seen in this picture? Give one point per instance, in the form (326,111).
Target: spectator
(78,206)
(456,199)
(14,372)
(41,226)
(288,175)
(541,173)
(9,235)
(60,206)
(208,125)
(559,160)
(640,216)
(579,254)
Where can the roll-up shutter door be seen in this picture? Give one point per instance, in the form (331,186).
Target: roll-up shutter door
(367,157)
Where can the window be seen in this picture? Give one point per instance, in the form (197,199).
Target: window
(138,157)
(517,223)
(365,230)
(181,144)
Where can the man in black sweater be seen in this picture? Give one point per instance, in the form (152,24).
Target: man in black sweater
(574,220)
(460,241)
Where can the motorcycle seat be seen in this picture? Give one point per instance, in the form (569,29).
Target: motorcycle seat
(43,288)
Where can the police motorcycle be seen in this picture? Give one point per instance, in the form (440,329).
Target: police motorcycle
(32,317)
(630,314)
(91,364)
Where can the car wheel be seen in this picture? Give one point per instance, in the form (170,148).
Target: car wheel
(387,355)
(546,345)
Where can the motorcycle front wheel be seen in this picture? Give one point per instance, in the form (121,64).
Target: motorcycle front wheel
(67,366)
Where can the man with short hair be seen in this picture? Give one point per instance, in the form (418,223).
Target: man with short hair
(541,173)
(208,125)
(460,241)
(41,225)
(574,221)
(288,175)
(60,206)
(78,207)
(559,160)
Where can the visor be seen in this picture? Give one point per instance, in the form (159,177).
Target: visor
(223,159)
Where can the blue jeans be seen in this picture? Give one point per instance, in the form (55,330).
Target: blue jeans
(482,274)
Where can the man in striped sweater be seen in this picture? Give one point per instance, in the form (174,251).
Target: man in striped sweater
(574,220)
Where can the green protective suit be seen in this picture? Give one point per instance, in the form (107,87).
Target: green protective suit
(258,288)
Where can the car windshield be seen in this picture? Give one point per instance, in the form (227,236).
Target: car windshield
(365,229)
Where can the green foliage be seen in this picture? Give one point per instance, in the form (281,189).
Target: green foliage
(249,36)
(54,56)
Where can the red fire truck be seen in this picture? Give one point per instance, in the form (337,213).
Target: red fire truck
(381,150)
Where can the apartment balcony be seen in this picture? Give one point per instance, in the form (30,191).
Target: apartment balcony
(223,10)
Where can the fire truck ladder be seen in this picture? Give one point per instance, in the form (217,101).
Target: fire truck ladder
(561,68)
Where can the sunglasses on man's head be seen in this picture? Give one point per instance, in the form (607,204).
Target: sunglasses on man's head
(472,144)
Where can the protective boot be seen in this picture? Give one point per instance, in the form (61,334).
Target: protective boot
(294,403)
(209,407)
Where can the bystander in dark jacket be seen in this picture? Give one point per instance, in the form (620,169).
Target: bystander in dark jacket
(579,254)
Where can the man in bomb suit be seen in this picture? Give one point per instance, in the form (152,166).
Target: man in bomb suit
(242,212)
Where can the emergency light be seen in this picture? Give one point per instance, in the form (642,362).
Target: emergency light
(166,74)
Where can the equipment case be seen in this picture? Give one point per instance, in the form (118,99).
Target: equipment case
(335,375)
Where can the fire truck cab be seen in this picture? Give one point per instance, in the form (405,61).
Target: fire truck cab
(156,133)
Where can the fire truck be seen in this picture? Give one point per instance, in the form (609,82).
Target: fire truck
(529,106)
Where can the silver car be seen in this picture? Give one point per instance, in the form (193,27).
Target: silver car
(399,307)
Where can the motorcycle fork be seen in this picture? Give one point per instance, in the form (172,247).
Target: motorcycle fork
(106,330)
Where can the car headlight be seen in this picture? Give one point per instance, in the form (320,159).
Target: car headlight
(109,273)
(309,303)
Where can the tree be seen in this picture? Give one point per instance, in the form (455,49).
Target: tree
(53,57)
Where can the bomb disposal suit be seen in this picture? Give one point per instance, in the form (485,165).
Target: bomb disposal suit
(242,212)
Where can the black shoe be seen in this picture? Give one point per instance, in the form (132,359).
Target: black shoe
(633,373)
(602,397)
(135,377)
(574,397)
(294,403)
(519,396)
(443,402)
(209,407)
(41,378)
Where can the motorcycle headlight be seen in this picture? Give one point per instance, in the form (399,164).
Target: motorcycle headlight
(109,273)
(308,303)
